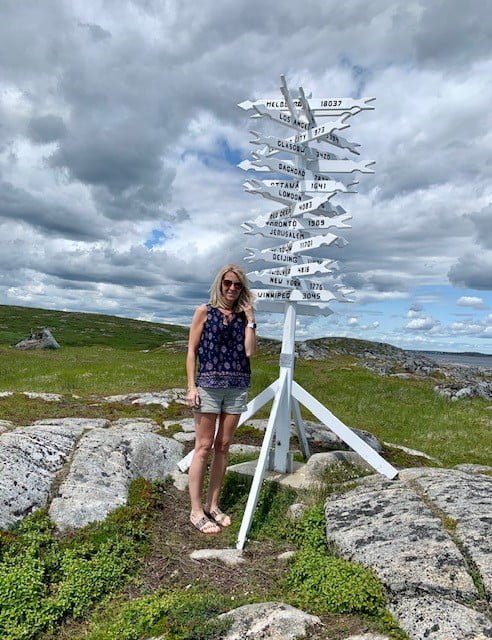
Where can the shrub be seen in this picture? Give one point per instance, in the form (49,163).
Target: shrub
(43,579)
(324,583)
(179,615)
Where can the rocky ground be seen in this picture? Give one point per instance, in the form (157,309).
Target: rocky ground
(452,381)
(426,534)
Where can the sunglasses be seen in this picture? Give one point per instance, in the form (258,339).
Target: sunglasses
(231,283)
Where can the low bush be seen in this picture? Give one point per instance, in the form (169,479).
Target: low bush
(324,583)
(180,614)
(44,579)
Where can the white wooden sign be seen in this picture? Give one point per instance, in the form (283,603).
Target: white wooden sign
(328,106)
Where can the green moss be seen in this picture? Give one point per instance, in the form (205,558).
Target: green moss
(43,579)
(327,584)
(248,431)
(179,615)
(324,583)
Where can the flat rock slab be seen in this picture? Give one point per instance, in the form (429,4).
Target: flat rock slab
(308,475)
(230,557)
(432,618)
(30,459)
(368,636)
(47,397)
(474,468)
(183,436)
(399,529)
(164,398)
(136,424)
(237,447)
(74,423)
(467,501)
(103,466)
(268,621)
(386,526)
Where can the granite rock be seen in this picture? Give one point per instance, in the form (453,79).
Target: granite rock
(268,621)
(429,617)
(30,459)
(102,468)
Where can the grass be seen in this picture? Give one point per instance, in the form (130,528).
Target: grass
(94,360)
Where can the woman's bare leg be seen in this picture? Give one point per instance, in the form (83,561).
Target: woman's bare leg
(204,439)
(227,426)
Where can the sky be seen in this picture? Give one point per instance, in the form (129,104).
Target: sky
(120,137)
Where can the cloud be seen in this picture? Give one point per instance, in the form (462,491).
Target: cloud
(473,270)
(471,301)
(119,137)
(421,324)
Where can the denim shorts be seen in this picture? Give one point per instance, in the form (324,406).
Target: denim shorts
(231,400)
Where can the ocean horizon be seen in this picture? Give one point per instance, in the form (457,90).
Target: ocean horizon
(466,358)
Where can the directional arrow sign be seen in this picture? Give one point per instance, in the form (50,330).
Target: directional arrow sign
(295,295)
(321,131)
(339,166)
(274,164)
(280,255)
(311,209)
(288,167)
(301,246)
(274,193)
(275,232)
(301,270)
(324,186)
(281,117)
(301,309)
(311,223)
(301,285)
(330,106)
(280,281)
(300,149)
(283,145)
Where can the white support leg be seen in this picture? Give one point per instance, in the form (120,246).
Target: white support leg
(282,424)
(301,434)
(342,431)
(262,462)
(258,401)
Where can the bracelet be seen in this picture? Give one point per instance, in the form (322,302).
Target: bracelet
(251,325)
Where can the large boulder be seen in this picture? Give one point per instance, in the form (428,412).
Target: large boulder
(103,466)
(427,537)
(268,621)
(30,459)
(42,339)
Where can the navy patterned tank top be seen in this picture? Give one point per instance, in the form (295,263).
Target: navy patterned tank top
(221,356)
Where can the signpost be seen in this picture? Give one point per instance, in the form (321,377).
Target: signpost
(306,223)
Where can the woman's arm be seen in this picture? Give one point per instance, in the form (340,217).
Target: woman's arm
(249,334)
(197,323)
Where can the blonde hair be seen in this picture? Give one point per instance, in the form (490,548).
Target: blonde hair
(216,297)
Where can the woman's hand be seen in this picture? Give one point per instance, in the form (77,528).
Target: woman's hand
(249,310)
(193,398)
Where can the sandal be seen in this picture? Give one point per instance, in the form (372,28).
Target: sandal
(219,517)
(204,524)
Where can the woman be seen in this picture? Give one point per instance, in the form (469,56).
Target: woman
(223,336)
